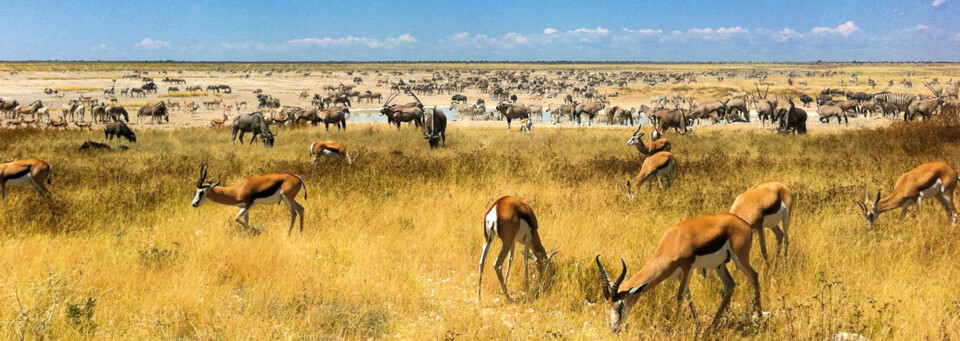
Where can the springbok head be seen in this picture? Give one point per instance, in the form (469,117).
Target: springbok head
(635,138)
(869,212)
(620,302)
(202,187)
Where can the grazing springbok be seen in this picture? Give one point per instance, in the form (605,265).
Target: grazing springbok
(269,189)
(330,149)
(25,172)
(513,222)
(526,125)
(766,204)
(660,165)
(706,242)
(648,148)
(934,179)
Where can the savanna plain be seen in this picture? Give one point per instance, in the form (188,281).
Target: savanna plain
(392,241)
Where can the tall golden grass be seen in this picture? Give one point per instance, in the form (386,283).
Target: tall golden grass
(392,242)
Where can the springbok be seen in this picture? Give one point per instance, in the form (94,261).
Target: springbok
(706,242)
(330,149)
(934,179)
(660,165)
(766,204)
(218,121)
(526,125)
(25,172)
(269,189)
(648,148)
(513,222)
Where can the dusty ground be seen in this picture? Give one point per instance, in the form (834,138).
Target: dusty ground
(28,85)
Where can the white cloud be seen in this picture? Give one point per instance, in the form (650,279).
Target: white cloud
(735,29)
(921,27)
(788,33)
(937,3)
(151,44)
(549,30)
(599,30)
(407,38)
(644,31)
(844,29)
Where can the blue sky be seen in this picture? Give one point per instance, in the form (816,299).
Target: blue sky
(583,30)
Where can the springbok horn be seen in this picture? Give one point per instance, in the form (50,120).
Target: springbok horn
(202,175)
(623,274)
(604,281)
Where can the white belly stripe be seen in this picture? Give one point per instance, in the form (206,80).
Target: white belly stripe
(713,260)
(932,191)
(26,179)
(775,218)
(271,200)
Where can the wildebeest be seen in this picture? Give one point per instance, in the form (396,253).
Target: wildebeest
(458,98)
(435,127)
(91,145)
(794,120)
(806,100)
(119,129)
(252,123)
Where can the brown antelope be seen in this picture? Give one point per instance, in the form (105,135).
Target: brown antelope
(58,124)
(766,204)
(218,121)
(513,222)
(25,172)
(934,179)
(660,165)
(269,189)
(83,125)
(648,148)
(330,149)
(706,242)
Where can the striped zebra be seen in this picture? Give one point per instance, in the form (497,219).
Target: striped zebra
(899,100)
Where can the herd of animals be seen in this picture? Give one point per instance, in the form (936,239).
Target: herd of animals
(702,243)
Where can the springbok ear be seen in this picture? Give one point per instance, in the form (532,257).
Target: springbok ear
(553,253)
(875,202)
(637,289)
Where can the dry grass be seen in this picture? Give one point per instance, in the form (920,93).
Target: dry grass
(392,242)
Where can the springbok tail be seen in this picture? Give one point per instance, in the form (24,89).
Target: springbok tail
(303,185)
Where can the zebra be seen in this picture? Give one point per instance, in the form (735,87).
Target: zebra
(899,100)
